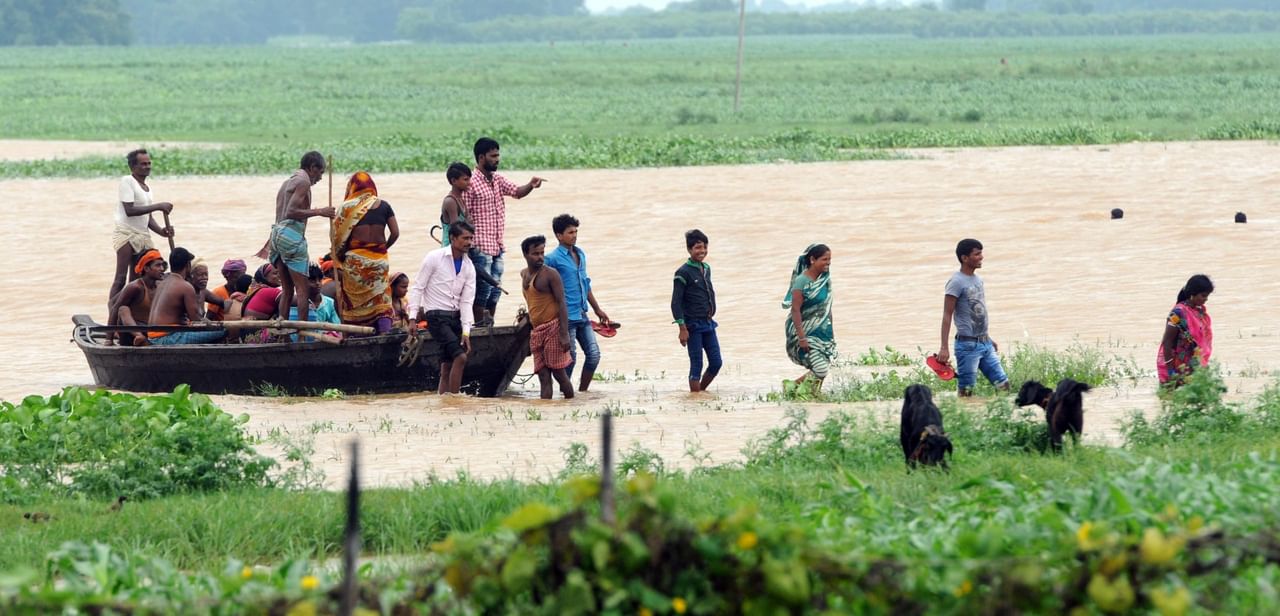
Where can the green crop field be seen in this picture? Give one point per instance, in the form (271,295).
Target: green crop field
(642,103)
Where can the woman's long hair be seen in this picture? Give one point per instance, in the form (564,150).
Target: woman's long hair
(1195,285)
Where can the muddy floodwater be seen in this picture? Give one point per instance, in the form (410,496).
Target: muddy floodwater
(1058,271)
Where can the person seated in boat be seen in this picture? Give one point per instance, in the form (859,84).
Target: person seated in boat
(176,303)
(235,310)
(265,277)
(400,300)
(328,286)
(322,309)
(132,305)
(444,291)
(216,305)
(363,230)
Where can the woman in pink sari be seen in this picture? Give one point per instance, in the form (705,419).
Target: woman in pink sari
(1188,333)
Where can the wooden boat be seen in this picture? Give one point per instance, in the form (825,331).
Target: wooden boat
(372,364)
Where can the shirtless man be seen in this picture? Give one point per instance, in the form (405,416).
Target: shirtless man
(287,246)
(544,293)
(133,218)
(132,305)
(176,304)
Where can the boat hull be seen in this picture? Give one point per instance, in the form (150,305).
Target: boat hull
(358,365)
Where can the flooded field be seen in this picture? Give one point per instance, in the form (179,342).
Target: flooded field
(1057,270)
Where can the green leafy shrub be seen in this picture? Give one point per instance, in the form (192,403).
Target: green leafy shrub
(100,444)
(1195,411)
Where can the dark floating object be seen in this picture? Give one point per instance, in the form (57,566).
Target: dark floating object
(1117,213)
(1241,218)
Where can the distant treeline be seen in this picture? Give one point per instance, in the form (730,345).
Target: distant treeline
(175,22)
(914,22)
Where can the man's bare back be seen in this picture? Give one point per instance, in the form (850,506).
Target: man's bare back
(175,302)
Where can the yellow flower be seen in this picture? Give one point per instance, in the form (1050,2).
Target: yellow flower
(310,582)
(1112,565)
(1156,549)
(1084,538)
(678,605)
(247,572)
(1112,597)
(1174,603)
(963,589)
(1195,524)
(644,611)
(747,540)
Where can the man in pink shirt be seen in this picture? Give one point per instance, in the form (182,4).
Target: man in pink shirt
(443,294)
(487,210)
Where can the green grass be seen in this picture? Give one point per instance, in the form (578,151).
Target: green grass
(1021,528)
(413,107)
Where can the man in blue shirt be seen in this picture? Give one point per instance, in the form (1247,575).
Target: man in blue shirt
(571,262)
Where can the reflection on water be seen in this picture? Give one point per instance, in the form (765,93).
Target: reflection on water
(1057,271)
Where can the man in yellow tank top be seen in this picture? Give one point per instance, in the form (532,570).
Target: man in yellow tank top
(544,293)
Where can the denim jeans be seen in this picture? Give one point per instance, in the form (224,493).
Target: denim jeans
(580,332)
(972,356)
(702,337)
(486,294)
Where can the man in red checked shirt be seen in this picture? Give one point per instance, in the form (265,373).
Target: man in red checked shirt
(487,211)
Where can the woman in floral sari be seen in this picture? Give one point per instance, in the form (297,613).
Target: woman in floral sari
(1188,333)
(811,340)
(364,228)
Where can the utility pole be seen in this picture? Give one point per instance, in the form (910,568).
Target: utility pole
(742,32)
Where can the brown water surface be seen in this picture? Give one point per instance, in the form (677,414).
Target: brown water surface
(1058,271)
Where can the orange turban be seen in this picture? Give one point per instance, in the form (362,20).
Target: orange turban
(150,255)
(359,184)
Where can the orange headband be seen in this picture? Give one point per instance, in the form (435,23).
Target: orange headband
(359,184)
(150,255)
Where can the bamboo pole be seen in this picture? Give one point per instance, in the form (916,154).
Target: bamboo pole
(168,226)
(249,324)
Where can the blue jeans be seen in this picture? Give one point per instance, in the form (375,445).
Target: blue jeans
(702,337)
(972,356)
(189,338)
(580,332)
(487,294)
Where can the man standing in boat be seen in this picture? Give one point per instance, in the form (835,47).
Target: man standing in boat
(443,293)
(549,342)
(487,210)
(287,246)
(132,235)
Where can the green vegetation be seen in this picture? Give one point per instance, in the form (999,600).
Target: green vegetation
(816,516)
(1025,362)
(99,444)
(643,104)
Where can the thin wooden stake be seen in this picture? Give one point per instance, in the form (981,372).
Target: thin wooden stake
(742,34)
(606,467)
(351,537)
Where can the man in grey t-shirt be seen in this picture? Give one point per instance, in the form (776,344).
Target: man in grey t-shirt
(966,302)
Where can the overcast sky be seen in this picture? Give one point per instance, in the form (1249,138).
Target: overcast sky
(600,5)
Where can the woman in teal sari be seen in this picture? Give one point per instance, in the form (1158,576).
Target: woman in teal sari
(811,342)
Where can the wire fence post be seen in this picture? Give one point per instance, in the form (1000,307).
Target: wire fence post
(351,537)
(606,467)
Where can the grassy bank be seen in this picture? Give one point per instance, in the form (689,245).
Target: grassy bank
(640,103)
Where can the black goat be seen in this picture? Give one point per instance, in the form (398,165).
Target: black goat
(1063,407)
(923,439)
